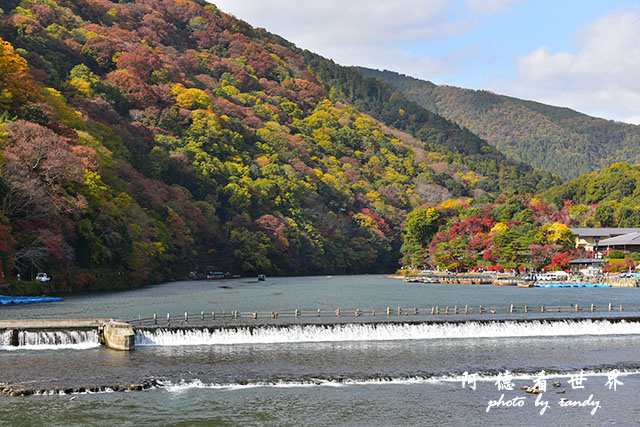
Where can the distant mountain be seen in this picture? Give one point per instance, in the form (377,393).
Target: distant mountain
(142,140)
(555,139)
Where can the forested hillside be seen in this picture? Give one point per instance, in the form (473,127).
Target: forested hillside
(527,231)
(613,193)
(145,139)
(550,138)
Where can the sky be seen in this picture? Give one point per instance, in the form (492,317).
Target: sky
(584,55)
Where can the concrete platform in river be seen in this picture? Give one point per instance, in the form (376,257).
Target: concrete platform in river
(113,333)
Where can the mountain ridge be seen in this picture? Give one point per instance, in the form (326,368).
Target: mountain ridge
(558,139)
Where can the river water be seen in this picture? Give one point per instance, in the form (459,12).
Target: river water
(396,370)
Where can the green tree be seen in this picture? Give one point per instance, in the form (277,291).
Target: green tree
(421,226)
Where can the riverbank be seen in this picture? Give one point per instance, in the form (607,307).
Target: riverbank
(504,279)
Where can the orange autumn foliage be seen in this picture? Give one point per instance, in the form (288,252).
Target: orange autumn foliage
(16,84)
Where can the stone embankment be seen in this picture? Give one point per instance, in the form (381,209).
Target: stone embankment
(20,390)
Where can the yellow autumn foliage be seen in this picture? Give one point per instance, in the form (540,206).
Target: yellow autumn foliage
(192,98)
(16,84)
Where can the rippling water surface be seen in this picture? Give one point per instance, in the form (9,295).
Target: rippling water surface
(403,371)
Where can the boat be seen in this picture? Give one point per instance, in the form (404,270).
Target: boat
(571,285)
(506,281)
(7,300)
(214,275)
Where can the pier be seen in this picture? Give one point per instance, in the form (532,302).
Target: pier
(114,334)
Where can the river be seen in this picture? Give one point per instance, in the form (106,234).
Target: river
(396,370)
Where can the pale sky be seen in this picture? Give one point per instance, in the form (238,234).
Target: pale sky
(583,55)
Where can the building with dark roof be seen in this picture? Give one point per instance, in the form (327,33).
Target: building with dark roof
(591,237)
(626,242)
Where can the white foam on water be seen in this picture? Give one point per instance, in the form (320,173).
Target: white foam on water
(198,384)
(51,340)
(382,332)
(5,340)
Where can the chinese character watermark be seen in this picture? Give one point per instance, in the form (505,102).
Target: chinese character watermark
(470,379)
(540,381)
(504,381)
(577,380)
(612,380)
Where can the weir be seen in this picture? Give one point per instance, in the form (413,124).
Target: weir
(114,334)
(119,335)
(382,331)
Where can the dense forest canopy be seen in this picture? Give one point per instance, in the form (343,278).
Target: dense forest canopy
(525,231)
(145,139)
(550,138)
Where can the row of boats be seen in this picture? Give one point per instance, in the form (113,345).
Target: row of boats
(522,282)
(8,300)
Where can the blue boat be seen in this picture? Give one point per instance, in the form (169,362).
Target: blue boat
(7,300)
(570,285)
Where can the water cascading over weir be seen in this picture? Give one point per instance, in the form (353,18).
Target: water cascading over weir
(112,333)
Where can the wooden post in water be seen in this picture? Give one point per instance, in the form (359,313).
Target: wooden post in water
(202,315)
(415,311)
(511,309)
(437,309)
(224,314)
(542,309)
(446,310)
(609,306)
(338,313)
(318,312)
(186,317)
(155,319)
(433,309)
(255,314)
(576,308)
(592,307)
(620,307)
(297,313)
(399,311)
(526,310)
(213,315)
(388,311)
(455,309)
(480,309)
(168,319)
(373,313)
(466,309)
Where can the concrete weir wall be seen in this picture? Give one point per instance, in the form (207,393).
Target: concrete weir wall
(117,335)
(114,334)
